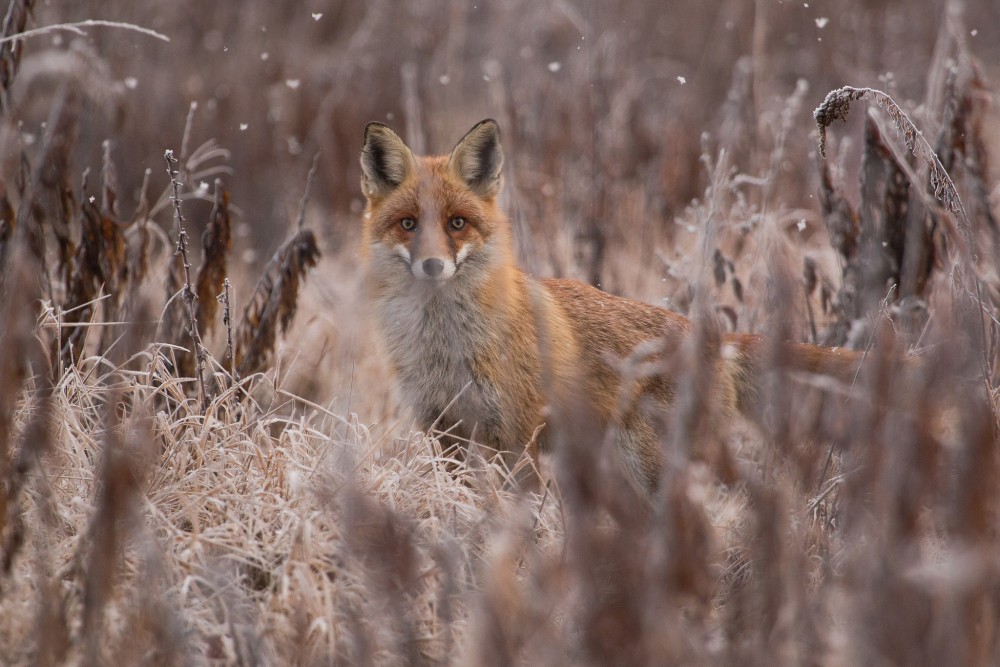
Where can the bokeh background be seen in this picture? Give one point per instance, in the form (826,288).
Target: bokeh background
(603,104)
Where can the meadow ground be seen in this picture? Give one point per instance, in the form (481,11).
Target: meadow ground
(274,505)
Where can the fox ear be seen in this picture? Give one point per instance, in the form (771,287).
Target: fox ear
(478,159)
(385,161)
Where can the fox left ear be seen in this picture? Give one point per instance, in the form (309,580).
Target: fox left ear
(478,159)
(385,161)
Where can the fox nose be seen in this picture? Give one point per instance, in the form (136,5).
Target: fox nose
(433,267)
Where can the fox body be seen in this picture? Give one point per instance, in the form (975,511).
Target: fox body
(488,353)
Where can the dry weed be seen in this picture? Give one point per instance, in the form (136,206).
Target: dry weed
(274,300)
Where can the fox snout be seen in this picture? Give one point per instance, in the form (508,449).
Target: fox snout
(433,268)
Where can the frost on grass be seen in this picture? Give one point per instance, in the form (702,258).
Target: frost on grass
(194,532)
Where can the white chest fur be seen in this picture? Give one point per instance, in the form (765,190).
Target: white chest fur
(433,338)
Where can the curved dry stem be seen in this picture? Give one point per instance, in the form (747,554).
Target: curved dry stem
(836,106)
(76,28)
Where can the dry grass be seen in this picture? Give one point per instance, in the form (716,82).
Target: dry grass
(283,512)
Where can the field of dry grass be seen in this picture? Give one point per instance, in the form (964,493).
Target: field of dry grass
(267,502)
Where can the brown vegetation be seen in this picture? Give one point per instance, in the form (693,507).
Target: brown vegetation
(280,510)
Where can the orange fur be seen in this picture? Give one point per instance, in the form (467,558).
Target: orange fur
(489,353)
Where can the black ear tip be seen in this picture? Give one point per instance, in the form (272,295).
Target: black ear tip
(488,122)
(375,126)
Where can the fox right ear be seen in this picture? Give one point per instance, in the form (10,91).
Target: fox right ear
(478,159)
(385,161)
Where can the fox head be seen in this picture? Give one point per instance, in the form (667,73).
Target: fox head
(432,219)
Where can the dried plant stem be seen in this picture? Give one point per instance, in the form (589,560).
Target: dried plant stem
(273,303)
(305,195)
(836,106)
(188,292)
(186,138)
(838,103)
(10,53)
(216,243)
(227,321)
(411,104)
(76,27)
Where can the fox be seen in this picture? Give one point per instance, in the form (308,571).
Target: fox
(487,353)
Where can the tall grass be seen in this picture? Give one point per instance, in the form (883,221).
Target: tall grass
(282,511)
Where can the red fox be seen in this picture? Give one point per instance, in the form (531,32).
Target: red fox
(485,351)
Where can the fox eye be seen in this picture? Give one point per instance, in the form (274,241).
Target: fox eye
(408,223)
(457,223)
